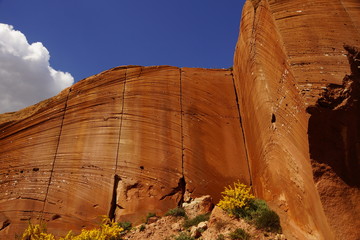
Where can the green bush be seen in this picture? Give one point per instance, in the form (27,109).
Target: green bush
(125,225)
(239,202)
(196,220)
(142,228)
(239,234)
(184,236)
(268,220)
(261,215)
(176,212)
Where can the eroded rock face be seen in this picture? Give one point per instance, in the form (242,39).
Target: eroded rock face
(134,140)
(126,142)
(293,51)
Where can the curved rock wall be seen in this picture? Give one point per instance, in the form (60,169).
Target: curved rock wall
(123,143)
(287,54)
(134,140)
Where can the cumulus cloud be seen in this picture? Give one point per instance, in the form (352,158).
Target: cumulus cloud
(26,76)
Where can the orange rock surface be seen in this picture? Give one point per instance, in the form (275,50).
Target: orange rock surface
(287,54)
(134,140)
(126,142)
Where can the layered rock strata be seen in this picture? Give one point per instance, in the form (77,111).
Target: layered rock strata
(126,142)
(134,140)
(293,51)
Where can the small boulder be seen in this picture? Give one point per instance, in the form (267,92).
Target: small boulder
(196,231)
(198,206)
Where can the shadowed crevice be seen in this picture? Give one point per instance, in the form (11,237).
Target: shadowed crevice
(180,190)
(5,224)
(113,203)
(334,126)
(242,130)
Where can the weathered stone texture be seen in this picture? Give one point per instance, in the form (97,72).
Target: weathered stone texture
(134,140)
(287,54)
(122,143)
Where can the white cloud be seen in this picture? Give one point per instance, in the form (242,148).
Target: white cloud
(26,76)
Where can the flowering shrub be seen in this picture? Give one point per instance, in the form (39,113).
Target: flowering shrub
(36,232)
(236,199)
(239,202)
(108,230)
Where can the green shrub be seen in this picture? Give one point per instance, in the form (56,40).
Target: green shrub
(176,212)
(262,216)
(184,236)
(196,220)
(142,228)
(239,234)
(239,202)
(268,220)
(125,225)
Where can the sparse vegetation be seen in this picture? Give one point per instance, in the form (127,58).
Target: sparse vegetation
(36,232)
(239,202)
(269,221)
(108,230)
(142,227)
(196,220)
(176,212)
(236,200)
(239,234)
(262,216)
(125,225)
(184,236)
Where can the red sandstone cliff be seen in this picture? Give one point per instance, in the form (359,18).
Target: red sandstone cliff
(126,142)
(134,140)
(287,54)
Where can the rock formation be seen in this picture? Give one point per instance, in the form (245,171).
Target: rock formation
(126,142)
(287,54)
(134,140)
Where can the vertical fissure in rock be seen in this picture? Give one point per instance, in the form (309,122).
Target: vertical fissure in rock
(181,126)
(55,155)
(242,129)
(180,189)
(121,122)
(113,203)
(255,4)
(182,181)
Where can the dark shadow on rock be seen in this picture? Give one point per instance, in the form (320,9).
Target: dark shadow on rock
(334,126)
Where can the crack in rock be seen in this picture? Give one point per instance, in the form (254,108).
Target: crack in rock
(181,187)
(113,203)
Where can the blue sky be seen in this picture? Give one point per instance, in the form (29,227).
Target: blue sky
(85,37)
